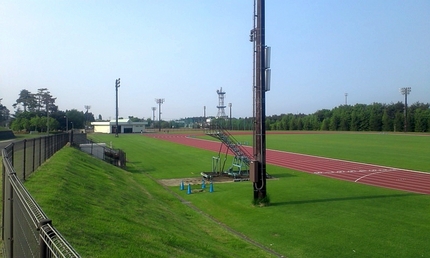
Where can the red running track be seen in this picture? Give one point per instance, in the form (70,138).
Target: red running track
(394,178)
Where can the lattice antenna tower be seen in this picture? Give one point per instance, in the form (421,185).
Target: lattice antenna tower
(221,107)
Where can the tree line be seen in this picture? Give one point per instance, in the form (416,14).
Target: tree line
(38,112)
(359,117)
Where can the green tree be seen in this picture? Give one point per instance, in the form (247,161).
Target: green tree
(4,115)
(334,122)
(21,124)
(26,100)
(53,124)
(37,123)
(398,122)
(375,116)
(76,118)
(325,124)
(387,123)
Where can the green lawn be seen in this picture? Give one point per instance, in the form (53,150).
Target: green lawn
(336,201)
(309,215)
(409,151)
(104,211)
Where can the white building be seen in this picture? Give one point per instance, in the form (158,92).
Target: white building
(124,126)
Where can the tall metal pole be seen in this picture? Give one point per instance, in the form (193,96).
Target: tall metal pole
(117,85)
(159,102)
(346,99)
(153,115)
(259,134)
(204,117)
(87,107)
(405,91)
(67,123)
(229,105)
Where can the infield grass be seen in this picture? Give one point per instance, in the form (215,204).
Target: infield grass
(104,211)
(408,151)
(310,216)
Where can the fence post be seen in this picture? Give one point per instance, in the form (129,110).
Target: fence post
(12,154)
(45,149)
(124,158)
(3,199)
(34,155)
(11,218)
(43,247)
(24,159)
(71,138)
(40,151)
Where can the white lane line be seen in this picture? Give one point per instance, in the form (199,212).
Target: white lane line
(355,171)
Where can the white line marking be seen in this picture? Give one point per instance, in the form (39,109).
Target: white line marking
(358,179)
(355,171)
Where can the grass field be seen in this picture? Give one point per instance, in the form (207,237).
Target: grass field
(104,211)
(409,151)
(309,216)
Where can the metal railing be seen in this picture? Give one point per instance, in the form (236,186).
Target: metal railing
(116,157)
(218,132)
(26,230)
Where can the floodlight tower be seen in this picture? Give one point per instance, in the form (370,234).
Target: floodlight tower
(204,117)
(405,91)
(117,85)
(261,85)
(159,102)
(346,99)
(221,106)
(229,105)
(87,107)
(153,114)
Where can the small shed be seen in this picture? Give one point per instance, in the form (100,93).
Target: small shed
(124,126)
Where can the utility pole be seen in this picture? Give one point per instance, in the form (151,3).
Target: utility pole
(159,102)
(153,115)
(117,85)
(405,91)
(87,107)
(67,123)
(229,105)
(261,85)
(204,117)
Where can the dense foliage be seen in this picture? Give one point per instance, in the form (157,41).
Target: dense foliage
(37,112)
(4,115)
(360,117)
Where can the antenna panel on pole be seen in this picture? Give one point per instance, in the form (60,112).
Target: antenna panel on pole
(267,57)
(267,83)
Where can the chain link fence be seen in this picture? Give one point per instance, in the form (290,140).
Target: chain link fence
(26,230)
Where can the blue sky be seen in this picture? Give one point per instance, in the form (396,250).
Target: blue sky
(183,51)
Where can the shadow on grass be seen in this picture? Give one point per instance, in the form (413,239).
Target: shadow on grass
(342,199)
(134,167)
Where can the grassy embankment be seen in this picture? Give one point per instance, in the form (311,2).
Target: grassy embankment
(310,216)
(108,212)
